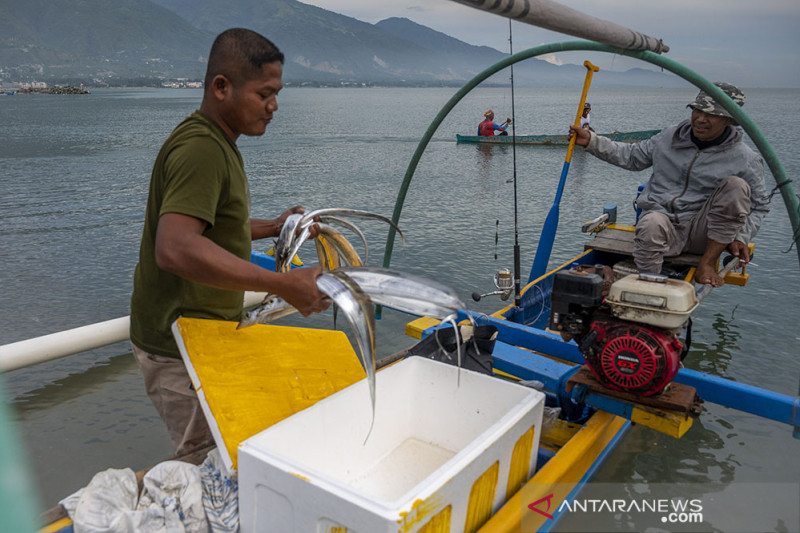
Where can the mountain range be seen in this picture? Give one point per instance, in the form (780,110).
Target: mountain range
(149,41)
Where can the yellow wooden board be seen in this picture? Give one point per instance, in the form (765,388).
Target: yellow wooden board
(250,379)
(667,422)
(416,327)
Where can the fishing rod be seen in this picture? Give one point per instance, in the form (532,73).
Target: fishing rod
(503,278)
(517,289)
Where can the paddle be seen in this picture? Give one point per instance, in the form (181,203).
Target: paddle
(542,257)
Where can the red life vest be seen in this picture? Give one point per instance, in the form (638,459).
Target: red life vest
(486,128)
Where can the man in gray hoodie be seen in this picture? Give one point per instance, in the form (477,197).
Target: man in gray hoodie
(706,193)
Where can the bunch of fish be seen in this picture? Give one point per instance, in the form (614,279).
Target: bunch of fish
(332,247)
(354,289)
(369,285)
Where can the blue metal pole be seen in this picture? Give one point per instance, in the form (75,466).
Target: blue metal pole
(746,398)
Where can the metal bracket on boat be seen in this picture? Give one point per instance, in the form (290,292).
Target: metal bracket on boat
(571,401)
(598,224)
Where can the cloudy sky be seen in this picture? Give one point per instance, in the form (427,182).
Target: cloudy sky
(751,43)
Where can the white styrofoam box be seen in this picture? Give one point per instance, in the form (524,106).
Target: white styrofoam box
(436,431)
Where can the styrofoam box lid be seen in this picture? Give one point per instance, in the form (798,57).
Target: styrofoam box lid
(431,421)
(248,379)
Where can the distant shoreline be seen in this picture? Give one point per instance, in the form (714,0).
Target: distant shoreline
(58,89)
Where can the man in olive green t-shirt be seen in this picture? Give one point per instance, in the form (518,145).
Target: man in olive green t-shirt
(195,250)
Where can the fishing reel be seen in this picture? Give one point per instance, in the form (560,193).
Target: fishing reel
(504,282)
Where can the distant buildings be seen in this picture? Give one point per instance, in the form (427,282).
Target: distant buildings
(182,84)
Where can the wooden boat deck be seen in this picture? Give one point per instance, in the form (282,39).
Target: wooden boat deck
(618,239)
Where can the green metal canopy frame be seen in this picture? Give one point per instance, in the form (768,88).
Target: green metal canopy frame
(774,164)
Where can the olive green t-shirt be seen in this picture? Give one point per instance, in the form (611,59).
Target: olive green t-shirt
(198,172)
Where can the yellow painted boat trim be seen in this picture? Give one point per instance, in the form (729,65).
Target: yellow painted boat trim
(255,377)
(669,423)
(622,227)
(505,375)
(559,433)
(416,327)
(56,526)
(558,476)
(740,279)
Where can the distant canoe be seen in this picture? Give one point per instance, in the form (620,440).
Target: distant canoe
(555,140)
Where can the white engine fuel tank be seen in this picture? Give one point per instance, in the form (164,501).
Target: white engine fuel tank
(655,300)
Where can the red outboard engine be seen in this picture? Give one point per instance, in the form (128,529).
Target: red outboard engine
(631,357)
(627,330)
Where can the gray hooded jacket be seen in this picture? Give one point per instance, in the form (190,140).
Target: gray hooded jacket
(684,177)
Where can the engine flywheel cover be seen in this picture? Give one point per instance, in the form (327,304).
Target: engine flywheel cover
(635,359)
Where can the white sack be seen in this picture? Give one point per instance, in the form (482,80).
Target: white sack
(171,502)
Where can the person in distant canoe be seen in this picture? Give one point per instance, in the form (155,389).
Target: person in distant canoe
(706,193)
(488,126)
(587,108)
(194,259)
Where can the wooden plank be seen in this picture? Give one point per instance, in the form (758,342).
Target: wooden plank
(611,243)
(675,397)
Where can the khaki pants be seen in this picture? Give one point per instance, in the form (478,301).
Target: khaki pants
(170,389)
(720,219)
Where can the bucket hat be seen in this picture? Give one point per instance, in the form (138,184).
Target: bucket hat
(703,102)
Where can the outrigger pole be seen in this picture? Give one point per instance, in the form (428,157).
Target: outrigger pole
(31,352)
(558,17)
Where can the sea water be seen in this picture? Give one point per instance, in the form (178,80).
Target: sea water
(74,178)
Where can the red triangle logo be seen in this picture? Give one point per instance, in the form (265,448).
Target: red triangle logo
(548,499)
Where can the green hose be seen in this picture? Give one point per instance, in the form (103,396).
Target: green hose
(774,164)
